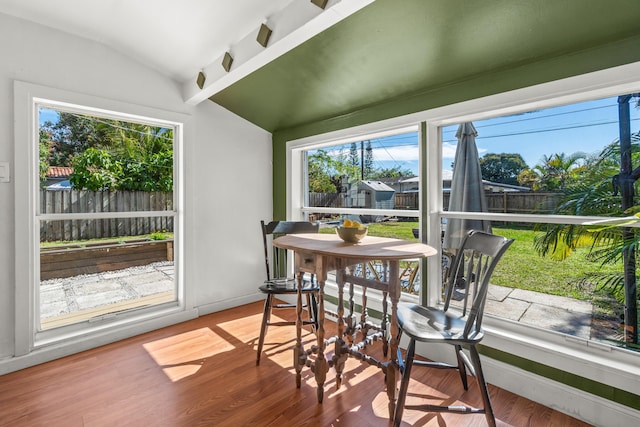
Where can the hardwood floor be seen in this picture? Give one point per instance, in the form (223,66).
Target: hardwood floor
(203,373)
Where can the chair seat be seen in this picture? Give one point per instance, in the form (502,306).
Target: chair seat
(287,286)
(429,324)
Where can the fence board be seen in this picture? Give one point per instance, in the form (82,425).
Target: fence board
(506,202)
(81,201)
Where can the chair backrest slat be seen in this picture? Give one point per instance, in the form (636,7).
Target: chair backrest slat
(275,229)
(473,265)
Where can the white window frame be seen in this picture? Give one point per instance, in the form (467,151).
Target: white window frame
(27,98)
(605,364)
(297,202)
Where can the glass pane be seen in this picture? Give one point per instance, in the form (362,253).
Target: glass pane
(571,160)
(86,277)
(96,164)
(379,173)
(93,165)
(545,161)
(397,228)
(578,296)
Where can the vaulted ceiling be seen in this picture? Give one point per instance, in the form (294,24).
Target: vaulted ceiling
(355,54)
(392,49)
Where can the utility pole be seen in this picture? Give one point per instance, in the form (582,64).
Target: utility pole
(626,180)
(362,160)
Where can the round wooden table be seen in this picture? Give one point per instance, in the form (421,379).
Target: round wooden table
(320,253)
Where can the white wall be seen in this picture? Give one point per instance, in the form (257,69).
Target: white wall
(223,153)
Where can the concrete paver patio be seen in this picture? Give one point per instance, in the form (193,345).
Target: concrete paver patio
(556,313)
(63,297)
(60,297)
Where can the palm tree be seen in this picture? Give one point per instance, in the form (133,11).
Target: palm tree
(589,193)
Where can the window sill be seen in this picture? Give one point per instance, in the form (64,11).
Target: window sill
(590,360)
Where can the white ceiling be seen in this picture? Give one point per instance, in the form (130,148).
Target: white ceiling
(178,38)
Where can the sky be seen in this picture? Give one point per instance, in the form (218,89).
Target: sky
(46,114)
(584,127)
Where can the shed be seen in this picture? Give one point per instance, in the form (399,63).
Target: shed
(370,194)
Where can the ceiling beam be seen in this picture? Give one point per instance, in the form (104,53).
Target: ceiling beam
(292,26)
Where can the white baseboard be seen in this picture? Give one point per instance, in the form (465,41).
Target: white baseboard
(230,303)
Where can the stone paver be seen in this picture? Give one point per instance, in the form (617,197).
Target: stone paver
(100,299)
(97,286)
(137,279)
(498,293)
(508,309)
(147,289)
(569,304)
(558,319)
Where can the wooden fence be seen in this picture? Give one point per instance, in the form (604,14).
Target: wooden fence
(82,201)
(507,202)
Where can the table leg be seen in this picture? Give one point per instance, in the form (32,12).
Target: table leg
(385,324)
(351,318)
(393,370)
(340,350)
(299,354)
(321,367)
(364,315)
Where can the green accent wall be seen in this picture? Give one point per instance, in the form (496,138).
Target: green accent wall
(545,70)
(397,57)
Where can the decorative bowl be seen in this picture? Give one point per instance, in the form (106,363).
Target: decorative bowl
(351,234)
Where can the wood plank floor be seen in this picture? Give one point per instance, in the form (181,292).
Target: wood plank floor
(203,373)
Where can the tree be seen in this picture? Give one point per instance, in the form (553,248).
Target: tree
(43,155)
(96,170)
(503,168)
(394,172)
(72,134)
(110,154)
(367,166)
(589,193)
(326,173)
(354,156)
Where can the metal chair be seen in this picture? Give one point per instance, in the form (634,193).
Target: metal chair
(458,322)
(278,283)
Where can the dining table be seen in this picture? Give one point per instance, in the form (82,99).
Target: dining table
(320,253)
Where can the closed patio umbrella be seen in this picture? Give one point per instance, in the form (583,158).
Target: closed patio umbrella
(467,191)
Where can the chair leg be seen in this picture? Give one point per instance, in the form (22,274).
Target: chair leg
(309,308)
(266,316)
(313,311)
(404,383)
(484,391)
(462,369)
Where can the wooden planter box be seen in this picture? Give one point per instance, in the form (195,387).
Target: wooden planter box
(72,261)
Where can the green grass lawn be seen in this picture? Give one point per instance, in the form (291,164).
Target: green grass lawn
(522,267)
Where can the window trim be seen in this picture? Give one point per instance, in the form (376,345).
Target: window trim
(620,367)
(27,99)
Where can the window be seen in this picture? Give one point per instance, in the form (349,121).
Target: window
(101,251)
(555,345)
(536,166)
(372,180)
(102,229)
